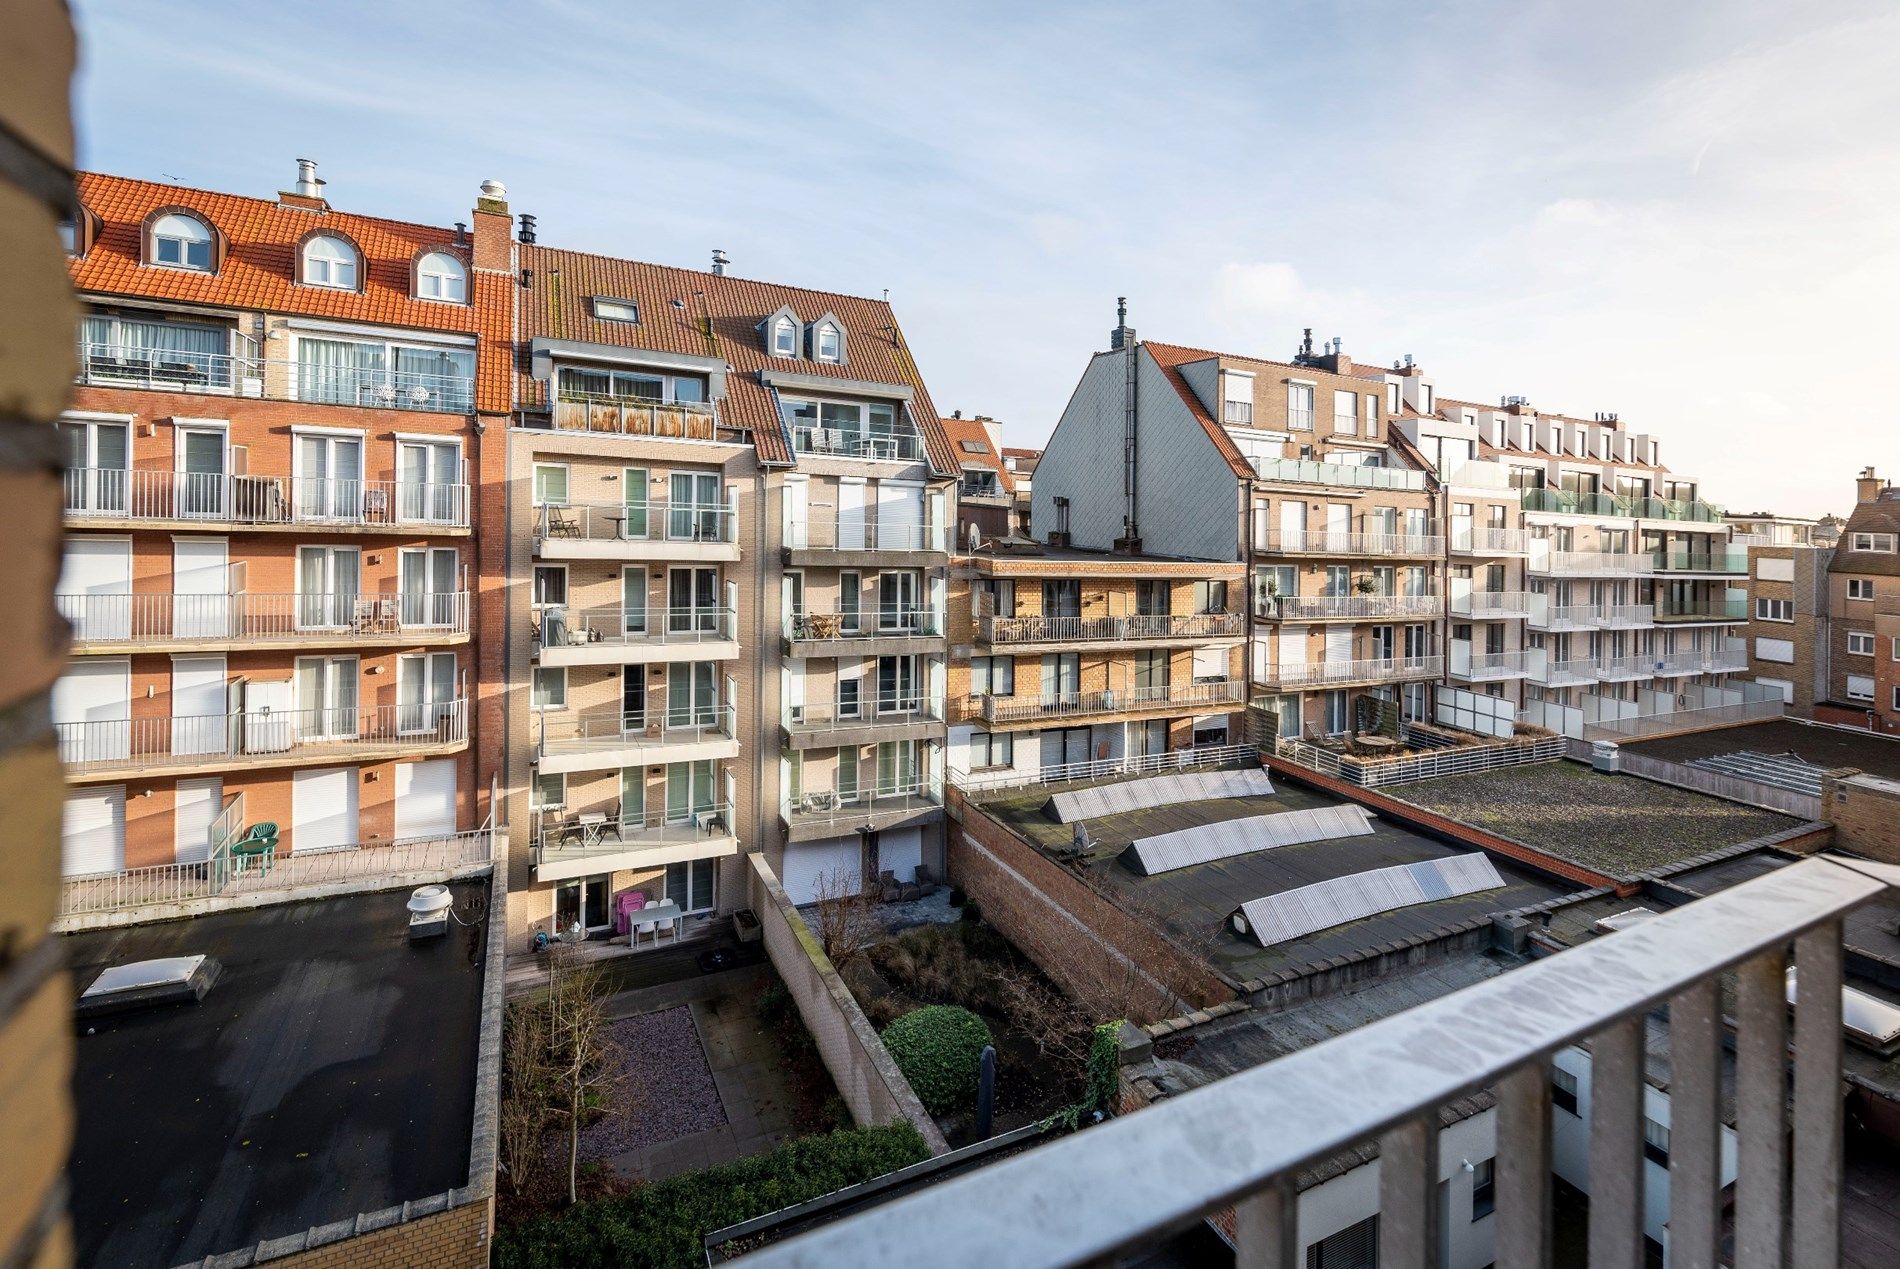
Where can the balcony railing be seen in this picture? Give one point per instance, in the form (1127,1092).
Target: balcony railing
(1367,670)
(1349,607)
(1340,542)
(564,732)
(1016,709)
(1485,666)
(1575,672)
(1595,564)
(1668,609)
(295,734)
(866,623)
(905,446)
(635,627)
(106,493)
(1491,605)
(1487,541)
(172,370)
(655,521)
(1726,562)
(1013,630)
(631,416)
(1111,1192)
(829,534)
(1350,475)
(320,618)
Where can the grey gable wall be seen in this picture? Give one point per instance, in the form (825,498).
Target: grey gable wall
(1188,503)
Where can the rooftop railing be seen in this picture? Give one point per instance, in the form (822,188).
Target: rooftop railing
(1349,607)
(175,370)
(1013,709)
(1012,630)
(106,493)
(1105,1194)
(1341,542)
(654,521)
(319,618)
(208,740)
(1352,475)
(1372,669)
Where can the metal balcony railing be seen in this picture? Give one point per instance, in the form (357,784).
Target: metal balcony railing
(1366,670)
(319,618)
(711,523)
(215,739)
(1013,630)
(1491,604)
(1352,475)
(173,370)
(1487,541)
(1108,1193)
(1349,607)
(1595,564)
(634,416)
(1340,542)
(105,493)
(1006,709)
(634,627)
(866,623)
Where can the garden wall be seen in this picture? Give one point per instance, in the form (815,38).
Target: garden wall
(1112,961)
(867,1078)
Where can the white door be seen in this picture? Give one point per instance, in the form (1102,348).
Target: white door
(813,869)
(95,587)
(92,831)
(850,515)
(900,516)
(201,588)
(92,711)
(198,804)
(323,809)
(1292,525)
(899,851)
(425,798)
(1339,644)
(198,700)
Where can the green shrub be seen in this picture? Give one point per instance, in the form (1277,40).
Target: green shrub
(662,1226)
(939,1048)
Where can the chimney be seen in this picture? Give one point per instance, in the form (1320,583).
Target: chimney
(720,261)
(1867,486)
(1123,336)
(308,192)
(494,231)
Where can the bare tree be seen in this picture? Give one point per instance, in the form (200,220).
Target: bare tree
(847,916)
(583,1059)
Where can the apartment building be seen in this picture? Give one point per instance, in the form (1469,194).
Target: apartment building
(1292,468)
(727,511)
(1062,657)
(1861,641)
(268,561)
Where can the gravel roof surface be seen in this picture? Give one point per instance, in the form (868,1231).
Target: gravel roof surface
(1619,825)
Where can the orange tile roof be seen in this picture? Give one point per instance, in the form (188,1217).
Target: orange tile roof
(258,269)
(719,316)
(958,431)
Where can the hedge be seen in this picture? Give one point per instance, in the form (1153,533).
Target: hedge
(663,1225)
(939,1048)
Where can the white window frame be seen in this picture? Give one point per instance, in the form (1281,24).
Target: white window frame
(553,677)
(440,286)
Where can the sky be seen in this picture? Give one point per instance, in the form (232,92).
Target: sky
(1684,213)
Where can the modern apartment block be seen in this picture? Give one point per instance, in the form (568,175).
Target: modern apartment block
(1860,644)
(1062,657)
(268,562)
(727,512)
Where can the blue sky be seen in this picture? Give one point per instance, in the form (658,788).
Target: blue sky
(1685,213)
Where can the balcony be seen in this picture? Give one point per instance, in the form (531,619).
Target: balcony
(628,636)
(1139,628)
(165,622)
(1347,475)
(891,804)
(1576,672)
(1218,697)
(829,542)
(889,718)
(1239,1147)
(876,632)
(607,740)
(104,365)
(1625,616)
(1329,542)
(1594,564)
(115,497)
(1625,669)
(1692,610)
(1491,605)
(1556,618)
(630,416)
(1484,541)
(1722,563)
(1350,607)
(105,748)
(1489,667)
(588,844)
(1322,674)
(656,530)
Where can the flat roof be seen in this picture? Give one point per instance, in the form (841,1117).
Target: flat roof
(1192,904)
(1817,743)
(1616,825)
(331,1070)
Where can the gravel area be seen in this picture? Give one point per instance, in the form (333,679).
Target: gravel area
(1618,825)
(663,1070)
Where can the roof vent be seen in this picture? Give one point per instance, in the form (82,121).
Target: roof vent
(429,912)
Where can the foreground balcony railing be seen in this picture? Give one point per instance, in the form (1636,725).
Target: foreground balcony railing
(1225,692)
(1107,1193)
(865,623)
(1012,630)
(294,734)
(634,628)
(177,370)
(711,523)
(1331,542)
(1351,475)
(631,416)
(107,493)
(1491,605)
(1349,607)
(333,618)
(1368,670)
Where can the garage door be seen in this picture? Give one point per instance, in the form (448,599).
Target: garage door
(827,867)
(899,851)
(323,809)
(92,832)
(425,798)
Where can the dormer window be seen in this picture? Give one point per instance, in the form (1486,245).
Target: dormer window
(830,343)
(440,276)
(785,338)
(329,261)
(181,242)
